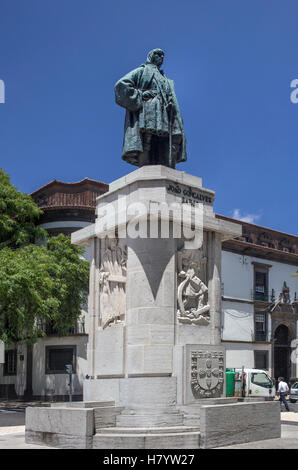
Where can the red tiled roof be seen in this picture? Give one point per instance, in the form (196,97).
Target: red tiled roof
(60,195)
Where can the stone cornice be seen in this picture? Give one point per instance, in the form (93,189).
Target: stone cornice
(262,242)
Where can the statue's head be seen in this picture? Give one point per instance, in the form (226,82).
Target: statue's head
(155,57)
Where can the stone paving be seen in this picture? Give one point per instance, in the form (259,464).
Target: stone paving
(11,429)
(12,433)
(13,437)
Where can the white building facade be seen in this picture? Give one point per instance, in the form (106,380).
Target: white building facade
(259,301)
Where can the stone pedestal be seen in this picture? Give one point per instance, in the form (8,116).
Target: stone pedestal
(155,358)
(154,291)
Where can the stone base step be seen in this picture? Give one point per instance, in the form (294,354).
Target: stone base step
(147,430)
(106,416)
(146,440)
(59,441)
(192,412)
(83,404)
(143,410)
(150,417)
(148,420)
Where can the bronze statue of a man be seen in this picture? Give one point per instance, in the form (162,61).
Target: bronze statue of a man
(153,131)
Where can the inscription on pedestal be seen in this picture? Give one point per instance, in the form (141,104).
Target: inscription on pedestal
(190,195)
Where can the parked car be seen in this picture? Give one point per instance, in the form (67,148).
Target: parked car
(294,393)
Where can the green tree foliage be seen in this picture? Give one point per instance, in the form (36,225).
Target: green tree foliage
(18,215)
(39,285)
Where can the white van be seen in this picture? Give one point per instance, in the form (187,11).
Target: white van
(256,383)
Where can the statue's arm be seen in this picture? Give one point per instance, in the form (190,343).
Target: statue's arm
(127,93)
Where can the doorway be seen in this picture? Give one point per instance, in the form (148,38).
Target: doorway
(282,353)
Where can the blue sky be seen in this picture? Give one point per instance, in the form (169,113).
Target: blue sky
(232,62)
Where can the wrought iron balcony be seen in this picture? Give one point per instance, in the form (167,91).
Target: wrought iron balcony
(260,296)
(77,329)
(260,336)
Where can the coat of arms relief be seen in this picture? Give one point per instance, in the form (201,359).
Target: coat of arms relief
(192,295)
(112,282)
(207,373)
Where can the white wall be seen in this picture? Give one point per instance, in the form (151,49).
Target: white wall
(278,274)
(242,354)
(237,321)
(44,384)
(238,276)
(19,380)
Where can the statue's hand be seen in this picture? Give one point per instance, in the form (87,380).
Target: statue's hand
(149,94)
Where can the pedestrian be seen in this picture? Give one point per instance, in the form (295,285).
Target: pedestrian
(282,391)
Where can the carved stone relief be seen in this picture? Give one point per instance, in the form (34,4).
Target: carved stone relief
(112,282)
(192,295)
(207,373)
(283,303)
(285,294)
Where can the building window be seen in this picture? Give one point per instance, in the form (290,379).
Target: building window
(58,356)
(261,286)
(261,282)
(260,327)
(261,360)
(10,365)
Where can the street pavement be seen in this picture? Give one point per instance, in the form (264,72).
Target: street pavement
(288,439)
(12,433)
(12,429)
(13,437)
(11,417)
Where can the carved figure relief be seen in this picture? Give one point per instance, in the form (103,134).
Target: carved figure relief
(112,281)
(193,307)
(283,303)
(285,294)
(207,373)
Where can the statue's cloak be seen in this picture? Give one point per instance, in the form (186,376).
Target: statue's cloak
(128,94)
